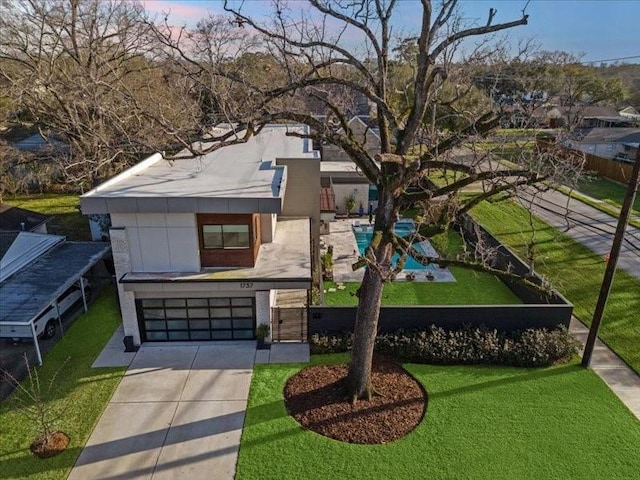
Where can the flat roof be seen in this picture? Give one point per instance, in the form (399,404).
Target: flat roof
(241,178)
(29,292)
(286,259)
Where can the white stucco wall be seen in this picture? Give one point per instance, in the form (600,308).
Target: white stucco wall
(263,309)
(267,227)
(161,242)
(122,263)
(359,190)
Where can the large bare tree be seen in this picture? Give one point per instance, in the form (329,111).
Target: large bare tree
(329,52)
(83,71)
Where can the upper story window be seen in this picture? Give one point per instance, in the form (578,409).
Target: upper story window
(229,237)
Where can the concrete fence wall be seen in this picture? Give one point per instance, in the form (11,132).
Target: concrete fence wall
(335,319)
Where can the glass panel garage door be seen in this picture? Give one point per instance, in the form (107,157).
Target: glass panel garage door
(184,319)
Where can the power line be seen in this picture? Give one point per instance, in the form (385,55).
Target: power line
(613,59)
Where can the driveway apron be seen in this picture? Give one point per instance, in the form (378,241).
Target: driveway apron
(177,413)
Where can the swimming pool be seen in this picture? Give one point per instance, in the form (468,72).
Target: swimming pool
(404,229)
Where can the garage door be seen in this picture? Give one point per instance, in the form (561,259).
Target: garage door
(197,319)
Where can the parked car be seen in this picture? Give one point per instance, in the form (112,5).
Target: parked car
(47,322)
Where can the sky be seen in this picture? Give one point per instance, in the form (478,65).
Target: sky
(594,29)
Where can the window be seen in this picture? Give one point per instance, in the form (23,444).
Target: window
(231,237)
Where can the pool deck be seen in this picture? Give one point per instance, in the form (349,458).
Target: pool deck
(345,254)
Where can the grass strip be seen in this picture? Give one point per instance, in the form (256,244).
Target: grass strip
(575,271)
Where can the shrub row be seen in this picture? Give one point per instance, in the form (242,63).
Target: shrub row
(527,348)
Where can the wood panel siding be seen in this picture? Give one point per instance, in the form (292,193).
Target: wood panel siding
(245,257)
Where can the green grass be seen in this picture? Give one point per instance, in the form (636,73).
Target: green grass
(65,208)
(608,191)
(470,288)
(86,392)
(601,206)
(575,271)
(481,423)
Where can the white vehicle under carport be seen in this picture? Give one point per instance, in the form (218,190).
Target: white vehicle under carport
(47,322)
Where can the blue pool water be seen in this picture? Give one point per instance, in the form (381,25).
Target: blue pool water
(364,234)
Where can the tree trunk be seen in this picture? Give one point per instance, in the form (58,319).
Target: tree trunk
(365,331)
(369,299)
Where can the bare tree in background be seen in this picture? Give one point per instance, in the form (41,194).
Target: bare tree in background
(82,71)
(424,110)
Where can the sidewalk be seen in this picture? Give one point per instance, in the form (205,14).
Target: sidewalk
(621,379)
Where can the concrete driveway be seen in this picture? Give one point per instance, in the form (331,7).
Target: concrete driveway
(177,413)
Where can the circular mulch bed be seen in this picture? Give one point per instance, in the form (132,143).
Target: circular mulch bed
(316,398)
(56,443)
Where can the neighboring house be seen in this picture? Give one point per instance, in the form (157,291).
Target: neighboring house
(35,272)
(630,113)
(606,122)
(19,219)
(365,135)
(610,152)
(609,143)
(38,145)
(565,115)
(202,245)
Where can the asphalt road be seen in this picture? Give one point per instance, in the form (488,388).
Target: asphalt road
(585,224)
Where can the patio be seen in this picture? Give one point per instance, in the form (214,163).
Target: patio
(345,254)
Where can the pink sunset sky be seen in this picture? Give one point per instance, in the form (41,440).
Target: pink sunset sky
(599,29)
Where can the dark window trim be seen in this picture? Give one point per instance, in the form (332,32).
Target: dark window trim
(248,247)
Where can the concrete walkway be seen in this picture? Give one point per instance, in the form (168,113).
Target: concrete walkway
(588,226)
(620,378)
(178,411)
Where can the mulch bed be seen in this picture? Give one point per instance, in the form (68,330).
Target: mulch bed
(57,443)
(316,398)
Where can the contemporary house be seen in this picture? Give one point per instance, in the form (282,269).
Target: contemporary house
(202,244)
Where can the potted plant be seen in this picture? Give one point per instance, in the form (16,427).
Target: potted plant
(262,332)
(350,204)
(326,260)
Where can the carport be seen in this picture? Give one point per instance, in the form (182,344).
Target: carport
(25,295)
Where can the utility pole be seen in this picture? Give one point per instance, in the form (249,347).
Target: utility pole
(612,263)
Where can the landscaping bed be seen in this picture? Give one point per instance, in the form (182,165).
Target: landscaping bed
(317,399)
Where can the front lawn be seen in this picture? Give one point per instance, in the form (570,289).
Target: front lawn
(85,390)
(575,271)
(64,207)
(470,288)
(481,422)
(608,191)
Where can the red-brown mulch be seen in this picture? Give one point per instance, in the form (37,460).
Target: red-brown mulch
(55,444)
(316,398)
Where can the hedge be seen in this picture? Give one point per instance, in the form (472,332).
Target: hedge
(478,345)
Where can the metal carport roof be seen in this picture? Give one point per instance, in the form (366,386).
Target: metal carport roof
(30,291)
